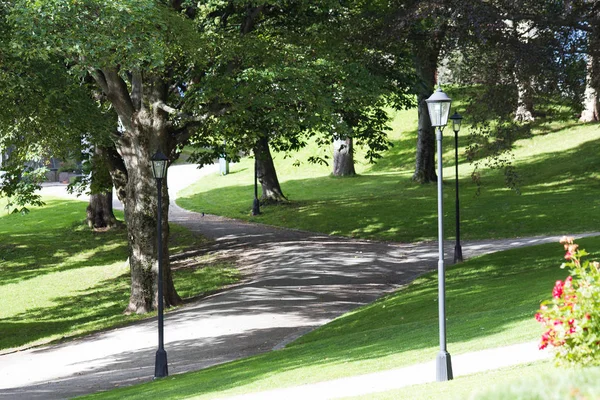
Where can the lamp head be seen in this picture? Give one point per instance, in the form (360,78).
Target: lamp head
(159,165)
(456,121)
(438,105)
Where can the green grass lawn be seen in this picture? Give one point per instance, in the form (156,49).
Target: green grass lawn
(532,381)
(61,279)
(558,167)
(491,302)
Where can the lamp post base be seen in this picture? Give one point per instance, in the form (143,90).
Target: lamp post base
(160,367)
(443,367)
(458,257)
(256,207)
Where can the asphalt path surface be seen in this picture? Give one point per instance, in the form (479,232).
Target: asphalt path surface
(294,281)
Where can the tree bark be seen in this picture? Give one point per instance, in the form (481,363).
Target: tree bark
(591,106)
(426,66)
(524,111)
(267,176)
(100,211)
(146,130)
(343,157)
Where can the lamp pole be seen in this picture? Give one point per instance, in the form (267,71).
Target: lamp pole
(438,105)
(456,121)
(256,203)
(159,169)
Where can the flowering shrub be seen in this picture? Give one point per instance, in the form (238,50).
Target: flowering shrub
(572,318)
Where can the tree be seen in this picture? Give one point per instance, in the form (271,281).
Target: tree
(176,73)
(43,114)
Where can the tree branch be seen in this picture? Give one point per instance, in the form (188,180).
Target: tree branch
(251,17)
(116,91)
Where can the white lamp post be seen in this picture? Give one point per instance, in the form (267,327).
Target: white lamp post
(438,105)
(159,170)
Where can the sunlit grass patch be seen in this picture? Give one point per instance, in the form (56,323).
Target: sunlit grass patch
(61,279)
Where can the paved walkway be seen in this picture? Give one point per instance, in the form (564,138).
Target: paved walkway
(294,281)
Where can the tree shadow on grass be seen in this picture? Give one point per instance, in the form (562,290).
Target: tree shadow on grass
(43,242)
(95,308)
(101,306)
(556,190)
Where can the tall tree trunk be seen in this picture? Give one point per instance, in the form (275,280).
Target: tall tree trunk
(591,105)
(343,157)
(141,204)
(100,210)
(426,65)
(267,176)
(146,130)
(524,111)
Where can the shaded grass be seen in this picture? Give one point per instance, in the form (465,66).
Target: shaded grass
(491,302)
(557,166)
(61,279)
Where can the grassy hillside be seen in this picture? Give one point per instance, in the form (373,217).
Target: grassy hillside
(558,166)
(61,279)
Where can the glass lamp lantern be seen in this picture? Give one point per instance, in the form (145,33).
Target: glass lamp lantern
(438,105)
(159,165)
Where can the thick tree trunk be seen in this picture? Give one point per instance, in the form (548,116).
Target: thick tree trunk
(343,157)
(145,130)
(591,106)
(425,159)
(426,65)
(100,211)
(140,215)
(524,111)
(267,176)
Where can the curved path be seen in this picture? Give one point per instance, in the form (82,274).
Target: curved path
(294,281)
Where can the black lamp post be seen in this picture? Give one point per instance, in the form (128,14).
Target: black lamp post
(256,203)
(159,170)
(456,121)
(438,105)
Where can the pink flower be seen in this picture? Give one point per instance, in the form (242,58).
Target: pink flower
(558,289)
(571,249)
(539,318)
(572,330)
(568,281)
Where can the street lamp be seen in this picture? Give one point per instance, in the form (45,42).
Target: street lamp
(159,170)
(438,105)
(456,121)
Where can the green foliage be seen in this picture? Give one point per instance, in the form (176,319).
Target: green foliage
(572,317)
(20,185)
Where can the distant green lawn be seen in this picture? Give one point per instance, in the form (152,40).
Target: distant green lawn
(60,279)
(558,167)
(491,302)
